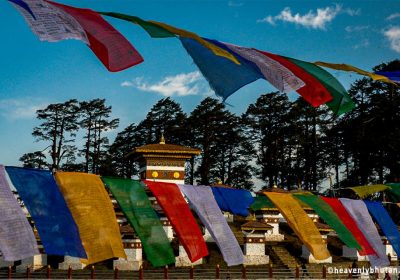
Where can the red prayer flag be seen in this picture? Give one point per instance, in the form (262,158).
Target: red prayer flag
(349,222)
(313,91)
(110,46)
(178,212)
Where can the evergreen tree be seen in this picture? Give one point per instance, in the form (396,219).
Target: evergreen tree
(59,125)
(34,160)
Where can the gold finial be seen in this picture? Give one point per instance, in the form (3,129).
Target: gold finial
(162,140)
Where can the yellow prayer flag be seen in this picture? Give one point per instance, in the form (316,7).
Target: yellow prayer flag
(187,34)
(301,224)
(93,212)
(350,68)
(364,191)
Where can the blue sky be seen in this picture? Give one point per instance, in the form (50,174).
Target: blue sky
(35,74)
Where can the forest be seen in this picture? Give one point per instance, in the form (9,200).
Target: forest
(276,141)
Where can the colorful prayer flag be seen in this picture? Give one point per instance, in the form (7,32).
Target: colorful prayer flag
(94,215)
(17,240)
(178,213)
(385,222)
(394,76)
(110,46)
(301,224)
(224,76)
(350,68)
(42,197)
(203,202)
(359,212)
(137,208)
(364,191)
(235,201)
(350,223)
(162,30)
(48,22)
(325,212)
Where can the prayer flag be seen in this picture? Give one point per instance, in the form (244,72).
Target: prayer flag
(321,80)
(137,208)
(385,222)
(48,22)
(351,225)
(17,240)
(350,68)
(301,224)
(178,213)
(42,197)
(224,76)
(325,212)
(235,201)
(261,202)
(110,46)
(94,215)
(364,191)
(359,212)
(162,30)
(203,202)
(392,75)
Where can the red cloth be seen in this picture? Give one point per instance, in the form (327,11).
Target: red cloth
(178,212)
(313,92)
(349,222)
(110,46)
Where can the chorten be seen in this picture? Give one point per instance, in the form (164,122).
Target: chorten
(163,162)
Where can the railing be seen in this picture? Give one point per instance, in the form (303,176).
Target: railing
(243,272)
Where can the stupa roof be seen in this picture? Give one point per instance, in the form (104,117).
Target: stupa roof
(163,148)
(256,225)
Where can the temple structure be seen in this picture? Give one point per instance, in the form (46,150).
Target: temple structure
(163,162)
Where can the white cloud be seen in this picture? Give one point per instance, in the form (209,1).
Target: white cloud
(314,20)
(179,85)
(363,44)
(235,4)
(356,28)
(393,16)
(393,35)
(24,108)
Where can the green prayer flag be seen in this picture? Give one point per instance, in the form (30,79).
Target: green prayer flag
(341,102)
(154,30)
(137,208)
(329,216)
(261,202)
(393,192)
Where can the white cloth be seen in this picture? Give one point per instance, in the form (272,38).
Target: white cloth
(359,212)
(17,241)
(274,72)
(50,23)
(203,202)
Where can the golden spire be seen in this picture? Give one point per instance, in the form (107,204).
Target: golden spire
(162,140)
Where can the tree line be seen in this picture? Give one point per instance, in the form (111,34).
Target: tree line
(277,140)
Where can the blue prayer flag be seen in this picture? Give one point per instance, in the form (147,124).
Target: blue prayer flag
(235,201)
(53,220)
(224,76)
(386,223)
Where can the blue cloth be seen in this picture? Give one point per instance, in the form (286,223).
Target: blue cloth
(381,216)
(24,6)
(235,201)
(53,220)
(224,76)
(394,75)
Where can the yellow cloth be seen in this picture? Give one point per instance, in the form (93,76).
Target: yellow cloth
(364,191)
(350,68)
(301,224)
(187,34)
(94,215)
